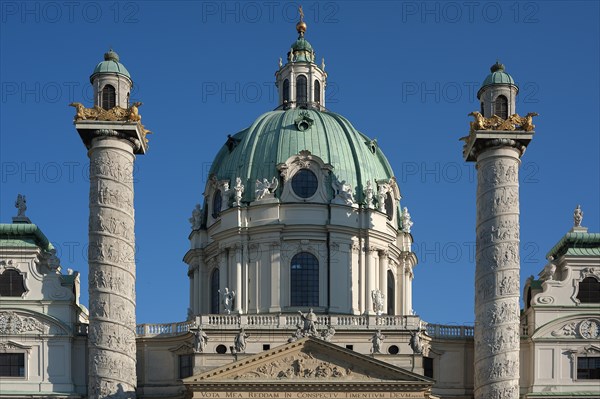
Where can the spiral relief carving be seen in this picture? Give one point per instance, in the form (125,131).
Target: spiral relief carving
(497,276)
(112,271)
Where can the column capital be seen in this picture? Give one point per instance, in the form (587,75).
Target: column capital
(480,141)
(132,132)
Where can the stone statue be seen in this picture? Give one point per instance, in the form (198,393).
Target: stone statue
(577,216)
(382,191)
(196,219)
(547,274)
(228,297)
(342,191)
(328,334)
(378,301)
(415,342)
(53,261)
(265,187)
(369,194)
(323,64)
(377,340)
(291,55)
(407,223)
(310,319)
(21,205)
(298,334)
(280,62)
(238,192)
(225,195)
(240,341)
(200,339)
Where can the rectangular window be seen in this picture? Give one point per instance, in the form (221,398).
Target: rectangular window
(186,365)
(588,368)
(12,365)
(428,367)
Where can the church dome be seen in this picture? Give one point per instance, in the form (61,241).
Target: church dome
(275,136)
(110,64)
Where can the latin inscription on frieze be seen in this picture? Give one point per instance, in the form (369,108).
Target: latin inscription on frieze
(309,395)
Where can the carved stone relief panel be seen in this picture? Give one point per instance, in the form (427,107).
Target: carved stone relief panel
(585,329)
(303,366)
(12,323)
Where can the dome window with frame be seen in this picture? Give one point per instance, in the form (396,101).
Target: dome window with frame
(216,204)
(389,205)
(305,183)
(12,284)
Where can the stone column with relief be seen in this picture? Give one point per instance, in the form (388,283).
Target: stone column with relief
(497,155)
(112,140)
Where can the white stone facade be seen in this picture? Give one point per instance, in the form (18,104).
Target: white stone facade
(45,326)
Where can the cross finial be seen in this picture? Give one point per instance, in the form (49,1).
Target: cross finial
(301,13)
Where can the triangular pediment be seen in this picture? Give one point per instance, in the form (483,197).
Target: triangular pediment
(309,360)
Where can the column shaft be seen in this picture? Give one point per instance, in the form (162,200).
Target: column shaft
(111,257)
(497,275)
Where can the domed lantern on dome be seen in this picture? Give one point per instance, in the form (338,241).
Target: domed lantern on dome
(300,81)
(112,82)
(498,92)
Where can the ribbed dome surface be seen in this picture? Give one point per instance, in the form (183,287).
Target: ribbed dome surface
(110,64)
(274,137)
(498,76)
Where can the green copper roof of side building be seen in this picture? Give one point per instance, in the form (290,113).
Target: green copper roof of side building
(23,234)
(577,244)
(110,64)
(274,137)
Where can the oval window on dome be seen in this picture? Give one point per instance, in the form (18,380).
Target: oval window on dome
(305,183)
(216,208)
(389,206)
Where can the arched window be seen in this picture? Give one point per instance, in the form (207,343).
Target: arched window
(286,91)
(301,93)
(304,280)
(528,301)
(305,183)
(589,290)
(482,113)
(217,200)
(214,292)
(501,107)
(317,91)
(11,283)
(109,97)
(391,293)
(389,206)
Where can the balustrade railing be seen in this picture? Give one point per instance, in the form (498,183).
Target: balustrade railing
(449,332)
(290,321)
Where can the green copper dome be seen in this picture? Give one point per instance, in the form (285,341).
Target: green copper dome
(302,50)
(276,136)
(110,64)
(498,76)
(302,45)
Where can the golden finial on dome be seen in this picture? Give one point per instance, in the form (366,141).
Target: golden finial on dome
(301,25)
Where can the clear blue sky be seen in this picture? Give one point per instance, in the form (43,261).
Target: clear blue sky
(405,73)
